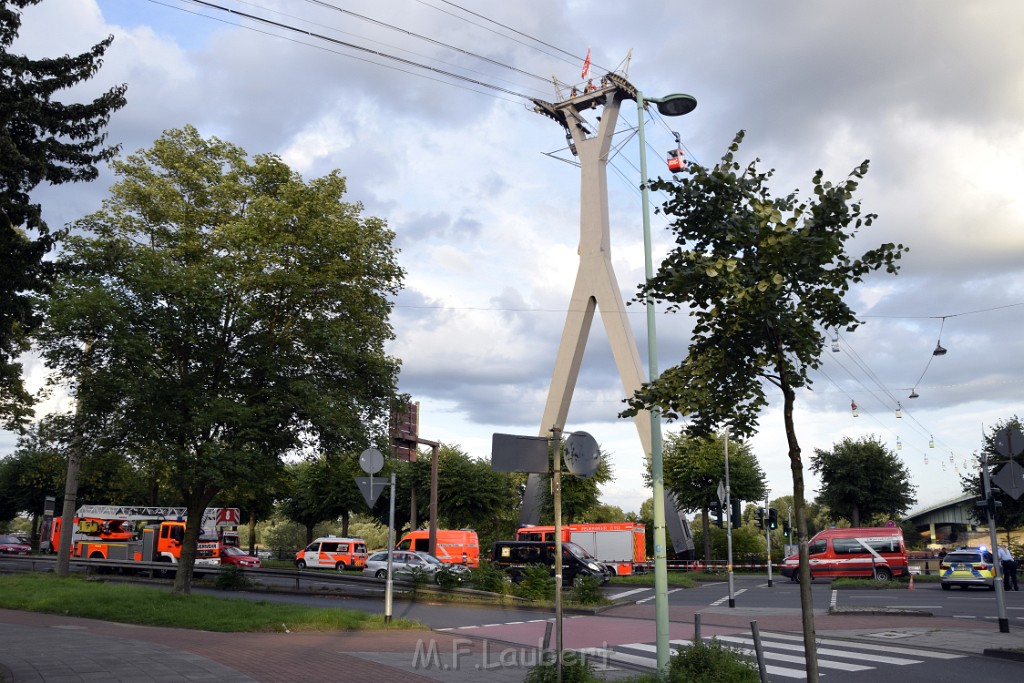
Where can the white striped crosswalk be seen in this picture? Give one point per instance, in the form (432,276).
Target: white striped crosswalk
(783,653)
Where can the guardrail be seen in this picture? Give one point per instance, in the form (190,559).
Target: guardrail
(46,562)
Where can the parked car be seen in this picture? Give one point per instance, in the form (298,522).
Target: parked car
(405,564)
(12,545)
(238,557)
(967,567)
(514,557)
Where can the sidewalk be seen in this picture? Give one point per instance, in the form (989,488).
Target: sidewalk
(36,648)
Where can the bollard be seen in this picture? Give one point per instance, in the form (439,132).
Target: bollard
(759,651)
(547,635)
(696,628)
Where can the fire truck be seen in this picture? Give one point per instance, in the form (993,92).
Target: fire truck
(619,545)
(120,532)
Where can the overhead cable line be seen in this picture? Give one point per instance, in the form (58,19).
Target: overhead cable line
(360,48)
(428,39)
(575,58)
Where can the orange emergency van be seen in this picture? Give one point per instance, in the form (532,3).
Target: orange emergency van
(333,552)
(454,546)
(863,551)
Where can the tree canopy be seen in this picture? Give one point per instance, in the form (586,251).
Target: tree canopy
(219,313)
(695,466)
(1010,514)
(761,276)
(861,479)
(41,139)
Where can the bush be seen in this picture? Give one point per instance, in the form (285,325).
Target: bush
(587,591)
(575,669)
(711,663)
(231,578)
(448,578)
(487,578)
(537,583)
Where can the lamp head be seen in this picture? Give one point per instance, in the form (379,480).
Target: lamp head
(676,104)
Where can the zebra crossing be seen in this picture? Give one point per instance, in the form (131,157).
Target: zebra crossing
(783,654)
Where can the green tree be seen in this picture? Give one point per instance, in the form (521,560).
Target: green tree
(38,466)
(580,497)
(860,479)
(761,277)
(1010,515)
(469,493)
(234,314)
(41,139)
(694,466)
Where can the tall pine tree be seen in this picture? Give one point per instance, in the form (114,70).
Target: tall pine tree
(40,140)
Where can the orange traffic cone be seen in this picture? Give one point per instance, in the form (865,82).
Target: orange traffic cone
(911,586)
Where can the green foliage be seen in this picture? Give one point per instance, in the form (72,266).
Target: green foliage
(694,467)
(711,662)
(469,491)
(580,497)
(488,578)
(747,543)
(220,312)
(447,578)
(41,139)
(586,590)
(232,578)
(537,583)
(575,669)
(1011,514)
(760,276)
(156,606)
(861,479)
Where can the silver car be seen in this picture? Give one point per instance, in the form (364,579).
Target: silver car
(407,564)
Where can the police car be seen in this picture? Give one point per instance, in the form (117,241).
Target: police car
(967,567)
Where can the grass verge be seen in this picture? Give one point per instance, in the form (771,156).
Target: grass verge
(157,606)
(872,584)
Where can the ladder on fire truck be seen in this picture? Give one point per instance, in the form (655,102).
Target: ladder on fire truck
(211,517)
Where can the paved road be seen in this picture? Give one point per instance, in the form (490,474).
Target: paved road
(501,646)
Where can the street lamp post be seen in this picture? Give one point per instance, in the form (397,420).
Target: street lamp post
(672,105)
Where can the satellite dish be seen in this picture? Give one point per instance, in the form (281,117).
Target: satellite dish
(371,460)
(581,454)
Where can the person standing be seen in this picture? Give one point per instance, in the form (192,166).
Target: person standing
(1009,566)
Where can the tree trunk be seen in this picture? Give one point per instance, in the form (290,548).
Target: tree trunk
(195,507)
(309,533)
(705,526)
(252,532)
(855,516)
(800,508)
(344,523)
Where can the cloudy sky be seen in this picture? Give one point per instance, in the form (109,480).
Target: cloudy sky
(485,203)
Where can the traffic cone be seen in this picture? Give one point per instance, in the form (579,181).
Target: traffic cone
(911,586)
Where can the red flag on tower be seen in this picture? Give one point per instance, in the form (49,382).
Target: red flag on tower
(586,64)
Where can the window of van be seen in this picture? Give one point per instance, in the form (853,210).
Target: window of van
(817,547)
(327,547)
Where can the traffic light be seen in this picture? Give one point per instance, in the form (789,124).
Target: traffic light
(773,518)
(737,515)
(759,518)
(716,509)
(785,529)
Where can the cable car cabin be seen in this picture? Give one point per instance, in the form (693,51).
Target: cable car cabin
(676,160)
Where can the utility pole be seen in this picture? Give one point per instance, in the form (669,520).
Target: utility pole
(728,527)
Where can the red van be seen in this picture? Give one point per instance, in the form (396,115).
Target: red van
(860,552)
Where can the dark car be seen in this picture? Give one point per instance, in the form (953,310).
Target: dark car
(12,545)
(513,557)
(238,557)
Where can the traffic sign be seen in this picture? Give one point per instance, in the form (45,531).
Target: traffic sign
(581,454)
(371,487)
(1009,442)
(371,460)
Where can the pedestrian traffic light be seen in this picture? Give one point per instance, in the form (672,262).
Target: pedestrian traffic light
(716,509)
(759,518)
(785,529)
(737,514)
(773,518)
